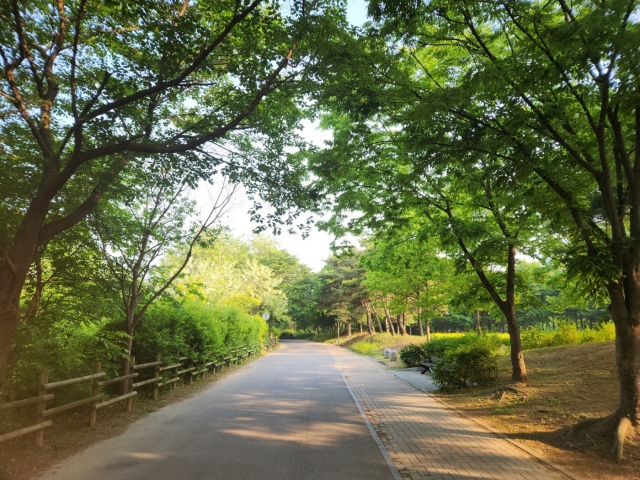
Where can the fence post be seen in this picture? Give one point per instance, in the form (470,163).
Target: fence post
(94,392)
(44,378)
(175,373)
(130,385)
(156,374)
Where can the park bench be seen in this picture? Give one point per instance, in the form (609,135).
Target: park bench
(427,366)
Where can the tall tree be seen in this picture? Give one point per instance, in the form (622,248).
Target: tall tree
(421,274)
(88,88)
(343,290)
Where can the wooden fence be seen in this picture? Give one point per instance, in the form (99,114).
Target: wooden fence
(164,375)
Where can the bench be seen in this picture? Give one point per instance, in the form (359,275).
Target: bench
(429,365)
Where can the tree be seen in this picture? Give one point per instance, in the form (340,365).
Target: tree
(382,177)
(137,231)
(228,273)
(298,283)
(90,88)
(342,291)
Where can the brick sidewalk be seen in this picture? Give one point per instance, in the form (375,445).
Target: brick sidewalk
(425,439)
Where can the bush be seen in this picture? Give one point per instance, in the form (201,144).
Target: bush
(370,345)
(468,365)
(305,335)
(412,355)
(67,350)
(365,348)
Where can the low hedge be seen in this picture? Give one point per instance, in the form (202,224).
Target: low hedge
(468,365)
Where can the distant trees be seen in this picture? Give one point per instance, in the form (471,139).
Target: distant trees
(343,292)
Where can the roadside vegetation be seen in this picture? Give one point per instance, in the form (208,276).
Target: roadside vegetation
(214,305)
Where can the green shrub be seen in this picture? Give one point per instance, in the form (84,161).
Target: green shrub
(67,350)
(305,335)
(412,355)
(371,345)
(604,333)
(364,348)
(468,365)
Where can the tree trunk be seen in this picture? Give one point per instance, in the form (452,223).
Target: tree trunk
(420,322)
(360,328)
(9,317)
(348,330)
(476,321)
(627,349)
(369,322)
(519,373)
(13,274)
(402,330)
(388,319)
(375,312)
(427,325)
(124,365)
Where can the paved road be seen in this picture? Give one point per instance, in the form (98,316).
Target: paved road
(288,415)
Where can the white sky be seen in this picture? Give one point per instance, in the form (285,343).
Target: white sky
(313,250)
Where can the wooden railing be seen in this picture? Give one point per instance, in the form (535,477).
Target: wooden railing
(163,375)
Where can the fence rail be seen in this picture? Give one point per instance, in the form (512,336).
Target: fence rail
(163,375)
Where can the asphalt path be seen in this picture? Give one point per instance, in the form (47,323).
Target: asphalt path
(287,415)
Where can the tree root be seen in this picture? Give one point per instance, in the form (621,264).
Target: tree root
(508,388)
(621,433)
(614,426)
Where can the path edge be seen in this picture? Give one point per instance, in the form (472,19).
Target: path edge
(394,470)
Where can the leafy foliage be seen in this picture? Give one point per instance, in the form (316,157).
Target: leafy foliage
(412,355)
(467,365)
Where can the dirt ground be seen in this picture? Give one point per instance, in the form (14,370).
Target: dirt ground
(567,384)
(20,459)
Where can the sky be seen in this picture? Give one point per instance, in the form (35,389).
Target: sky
(316,248)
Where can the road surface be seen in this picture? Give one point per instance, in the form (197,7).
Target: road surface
(287,415)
